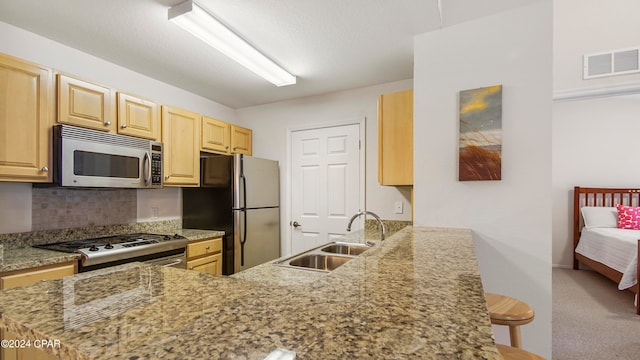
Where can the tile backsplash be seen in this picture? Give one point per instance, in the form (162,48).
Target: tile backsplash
(60,208)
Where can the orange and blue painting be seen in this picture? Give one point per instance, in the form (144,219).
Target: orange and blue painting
(480,146)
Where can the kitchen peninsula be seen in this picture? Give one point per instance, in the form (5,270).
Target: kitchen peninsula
(416,296)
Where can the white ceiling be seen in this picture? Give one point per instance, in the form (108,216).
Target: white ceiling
(330,45)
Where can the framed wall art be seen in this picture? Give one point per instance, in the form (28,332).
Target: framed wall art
(480,145)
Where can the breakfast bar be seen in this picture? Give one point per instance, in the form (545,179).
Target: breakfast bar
(416,295)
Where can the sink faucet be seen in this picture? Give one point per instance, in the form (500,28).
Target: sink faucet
(383,230)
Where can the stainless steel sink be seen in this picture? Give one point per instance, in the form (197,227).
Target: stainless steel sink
(324,258)
(346,249)
(319,262)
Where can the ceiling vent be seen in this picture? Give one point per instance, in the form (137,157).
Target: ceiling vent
(618,62)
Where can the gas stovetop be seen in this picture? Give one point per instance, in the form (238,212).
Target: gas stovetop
(118,247)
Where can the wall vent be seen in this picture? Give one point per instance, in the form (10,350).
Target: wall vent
(617,62)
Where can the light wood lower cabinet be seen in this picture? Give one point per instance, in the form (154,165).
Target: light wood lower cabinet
(26,277)
(27,113)
(205,256)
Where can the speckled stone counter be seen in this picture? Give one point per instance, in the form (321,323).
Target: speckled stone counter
(418,296)
(25,258)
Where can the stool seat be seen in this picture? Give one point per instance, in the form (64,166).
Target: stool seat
(505,310)
(510,353)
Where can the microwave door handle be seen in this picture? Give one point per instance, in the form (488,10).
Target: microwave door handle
(146,168)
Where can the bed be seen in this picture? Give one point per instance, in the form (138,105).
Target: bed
(597,240)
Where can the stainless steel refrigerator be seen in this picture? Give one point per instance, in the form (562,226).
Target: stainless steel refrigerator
(240,195)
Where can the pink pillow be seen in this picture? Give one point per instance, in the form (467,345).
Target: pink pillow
(628,217)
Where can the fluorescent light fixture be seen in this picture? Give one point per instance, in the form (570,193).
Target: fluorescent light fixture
(199,22)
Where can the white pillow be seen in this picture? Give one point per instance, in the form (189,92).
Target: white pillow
(599,217)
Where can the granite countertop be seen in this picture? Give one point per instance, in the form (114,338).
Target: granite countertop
(25,258)
(418,296)
(20,256)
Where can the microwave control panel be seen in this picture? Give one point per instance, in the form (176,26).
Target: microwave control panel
(156,165)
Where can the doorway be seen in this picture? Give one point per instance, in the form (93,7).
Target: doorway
(326,177)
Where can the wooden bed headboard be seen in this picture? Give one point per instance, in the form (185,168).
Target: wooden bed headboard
(583,196)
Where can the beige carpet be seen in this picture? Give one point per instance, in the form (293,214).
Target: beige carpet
(592,319)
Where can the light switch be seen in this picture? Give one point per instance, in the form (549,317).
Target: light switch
(398,207)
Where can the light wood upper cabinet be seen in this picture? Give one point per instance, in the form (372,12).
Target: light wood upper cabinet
(395,138)
(180,137)
(216,135)
(138,117)
(241,140)
(85,104)
(27,113)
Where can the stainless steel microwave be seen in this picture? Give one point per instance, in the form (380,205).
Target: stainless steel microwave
(90,158)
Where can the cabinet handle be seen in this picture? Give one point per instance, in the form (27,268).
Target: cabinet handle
(191,268)
(44,169)
(226,147)
(166,177)
(235,148)
(124,126)
(107,123)
(207,248)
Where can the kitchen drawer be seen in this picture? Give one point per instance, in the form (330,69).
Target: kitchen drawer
(204,247)
(208,264)
(30,276)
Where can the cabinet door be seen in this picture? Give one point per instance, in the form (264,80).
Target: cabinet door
(26,117)
(204,247)
(209,264)
(138,117)
(30,276)
(181,140)
(395,138)
(215,135)
(85,104)
(241,140)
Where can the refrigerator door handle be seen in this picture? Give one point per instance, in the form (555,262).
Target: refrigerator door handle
(244,211)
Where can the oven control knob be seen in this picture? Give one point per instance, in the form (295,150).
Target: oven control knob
(167,237)
(93,248)
(108,246)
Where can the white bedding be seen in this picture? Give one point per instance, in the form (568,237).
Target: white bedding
(616,248)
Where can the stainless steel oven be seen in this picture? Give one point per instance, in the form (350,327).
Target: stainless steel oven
(106,251)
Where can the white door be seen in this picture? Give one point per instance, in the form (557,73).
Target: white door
(325,184)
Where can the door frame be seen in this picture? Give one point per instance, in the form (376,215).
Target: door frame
(361,122)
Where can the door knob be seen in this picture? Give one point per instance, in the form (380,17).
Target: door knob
(295,224)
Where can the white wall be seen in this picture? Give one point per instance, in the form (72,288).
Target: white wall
(510,218)
(591,26)
(593,139)
(15,199)
(270,123)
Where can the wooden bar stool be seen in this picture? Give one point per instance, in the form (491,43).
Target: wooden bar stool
(510,353)
(504,310)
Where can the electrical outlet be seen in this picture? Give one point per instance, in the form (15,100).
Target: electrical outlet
(155,211)
(398,207)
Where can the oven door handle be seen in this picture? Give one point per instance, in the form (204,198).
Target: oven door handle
(166,262)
